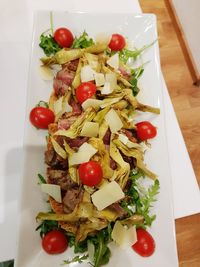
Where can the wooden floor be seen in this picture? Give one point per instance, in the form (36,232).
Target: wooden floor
(186,101)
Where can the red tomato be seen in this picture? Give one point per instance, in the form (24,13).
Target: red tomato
(85,90)
(41,117)
(117,42)
(54,242)
(90,173)
(63,37)
(145,130)
(145,245)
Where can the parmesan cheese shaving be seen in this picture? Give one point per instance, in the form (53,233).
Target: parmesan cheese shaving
(113,121)
(90,129)
(107,195)
(53,190)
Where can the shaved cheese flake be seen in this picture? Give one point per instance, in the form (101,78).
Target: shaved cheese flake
(84,154)
(46,73)
(99,79)
(59,150)
(87,74)
(53,190)
(95,103)
(114,61)
(90,129)
(107,89)
(107,195)
(103,37)
(123,236)
(113,121)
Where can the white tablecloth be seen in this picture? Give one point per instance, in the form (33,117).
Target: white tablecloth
(16,20)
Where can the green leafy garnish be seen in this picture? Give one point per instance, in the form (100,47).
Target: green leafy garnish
(83,41)
(77,258)
(42,103)
(47,226)
(48,44)
(140,199)
(125,54)
(41,179)
(146,203)
(135,75)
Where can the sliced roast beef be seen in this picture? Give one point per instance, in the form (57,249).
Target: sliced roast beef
(106,138)
(117,208)
(60,87)
(113,164)
(129,160)
(76,142)
(64,78)
(76,107)
(72,197)
(130,135)
(64,124)
(60,177)
(53,160)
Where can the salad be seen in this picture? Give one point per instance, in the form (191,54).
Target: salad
(95,149)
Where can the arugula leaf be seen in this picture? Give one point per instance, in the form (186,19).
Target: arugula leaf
(80,247)
(142,203)
(147,201)
(47,226)
(41,179)
(135,75)
(83,41)
(102,252)
(77,258)
(125,54)
(49,45)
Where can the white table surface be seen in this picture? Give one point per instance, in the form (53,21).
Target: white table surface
(16,22)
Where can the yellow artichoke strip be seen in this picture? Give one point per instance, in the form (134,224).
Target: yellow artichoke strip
(103,156)
(149,173)
(65,55)
(76,127)
(47,61)
(77,79)
(100,115)
(103,129)
(146,108)
(137,154)
(134,219)
(59,150)
(89,227)
(68,149)
(73,172)
(121,105)
(116,156)
(93,61)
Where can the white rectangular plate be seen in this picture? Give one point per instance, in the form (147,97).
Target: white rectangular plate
(140,30)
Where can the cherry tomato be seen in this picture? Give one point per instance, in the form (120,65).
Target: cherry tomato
(63,37)
(117,42)
(145,130)
(145,245)
(85,90)
(90,173)
(54,242)
(41,117)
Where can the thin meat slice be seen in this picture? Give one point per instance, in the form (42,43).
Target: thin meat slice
(106,138)
(76,142)
(72,197)
(117,208)
(76,107)
(130,136)
(61,178)
(64,78)
(64,124)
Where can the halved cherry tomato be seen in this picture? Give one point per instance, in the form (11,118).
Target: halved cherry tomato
(54,242)
(145,245)
(146,130)
(117,42)
(90,173)
(41,117)
(63,37)
(85,90)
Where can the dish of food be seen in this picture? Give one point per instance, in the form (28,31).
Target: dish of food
(98,187)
